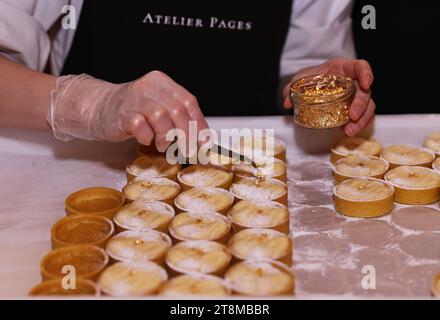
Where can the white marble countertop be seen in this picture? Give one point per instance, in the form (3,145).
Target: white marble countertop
(37,173)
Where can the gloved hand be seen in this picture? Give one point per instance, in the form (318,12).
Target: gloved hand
(91,109)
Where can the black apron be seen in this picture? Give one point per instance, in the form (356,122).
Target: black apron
(226,53)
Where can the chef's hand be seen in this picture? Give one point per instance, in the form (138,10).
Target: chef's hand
(91,109)
(362,108)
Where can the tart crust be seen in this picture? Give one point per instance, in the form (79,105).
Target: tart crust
(255,244)
(132,279)
(200,225)
(201,176)
(436,165)
(355,145)
(204,199)
(247,214)
(152,189)
(81,229)
(359,166)
(414,185)
(144,215)
(256,189)
(88,260)
(433,143)
(363,198)
(267,168)
(195,285)
(436,286)
(54,287)
(207,257)
(154,166)
(403,155)
(139,246)
(260,278)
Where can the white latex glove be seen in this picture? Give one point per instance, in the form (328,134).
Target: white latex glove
(91,109)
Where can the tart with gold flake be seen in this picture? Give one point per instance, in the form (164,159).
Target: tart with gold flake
(403,155)
(266,167)
(363,198)
(251,244)
(355,145)
(259,214)
(200,225)
(150,189)
(88,260)
(257,146)
(204,176)
(154,166)
(195,285)
(414,185)
(132,279)
(144,215)
(207,257)
(260,189)
(260,278)
(205,199)
(139,246)
(359,166)
(433,143)
(55,288)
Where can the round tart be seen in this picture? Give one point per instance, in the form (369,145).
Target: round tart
(220,160)
(257,244)
(433,143)
(259,214)
(267,168)
(260,278)
(201,256)
(205,199)
(144,215)
(436,165)
(204,176)
(359,166)
(94,201)
(436,286)
(139,246)
(153,166)
(355,145)
(414,185)
(55,288)
(88,260)
(363,198)
(81,229)
(260,189)
(257,146)
(150,189)
(402,155)
(200,226)
(132,279)
(195,285)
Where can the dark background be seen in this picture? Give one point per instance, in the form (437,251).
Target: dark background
(404,53)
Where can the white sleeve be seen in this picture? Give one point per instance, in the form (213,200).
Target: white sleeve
(23,30)
(319,30)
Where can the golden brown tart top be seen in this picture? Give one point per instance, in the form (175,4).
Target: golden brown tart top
(258,214)
(195,285)
(141,215)
(255,189)
(357,145)
(198,256)
(204,176)
(255,146)
(260,244)
(361,189)
(267,167)
(433,142)
(413,177)
(149,189)
(153,166)
(436,164)
(125,279)
(361,166)
(204,199)
(407,155)
(139,246)
(199,226)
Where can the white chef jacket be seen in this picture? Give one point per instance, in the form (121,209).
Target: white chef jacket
(319,30)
